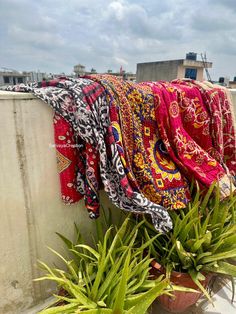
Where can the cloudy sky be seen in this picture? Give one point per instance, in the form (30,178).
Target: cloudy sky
(54,35)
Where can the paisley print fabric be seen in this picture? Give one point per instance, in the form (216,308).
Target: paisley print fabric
(142,142)
(81,103)
(219,106)
(186,127)
(78,166)
(68,160)
(145,159)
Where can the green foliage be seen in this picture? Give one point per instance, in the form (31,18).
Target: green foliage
(111,277)
(203,239)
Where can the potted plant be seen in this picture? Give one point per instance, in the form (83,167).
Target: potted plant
(202,243)
(110,277)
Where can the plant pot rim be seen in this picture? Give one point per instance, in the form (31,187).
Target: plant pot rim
(174,273)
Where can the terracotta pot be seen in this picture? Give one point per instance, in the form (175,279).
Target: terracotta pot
(180,300)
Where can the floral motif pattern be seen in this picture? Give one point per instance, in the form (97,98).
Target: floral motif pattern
(90,121)
(136,138)
(134,121)
(189,133)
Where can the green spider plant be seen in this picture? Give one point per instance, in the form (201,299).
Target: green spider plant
(111,277)
(203,238)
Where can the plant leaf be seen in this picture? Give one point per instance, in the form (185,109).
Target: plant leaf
(142,305)
(60,309)
(120,298)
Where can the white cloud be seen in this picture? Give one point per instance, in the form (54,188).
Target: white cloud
(36,38)
(116,9)
(120,61)
(53,35)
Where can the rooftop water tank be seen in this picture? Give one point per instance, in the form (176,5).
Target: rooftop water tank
(191,56)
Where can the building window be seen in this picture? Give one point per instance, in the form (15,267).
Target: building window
(191,73)
(6,79)
(20,80)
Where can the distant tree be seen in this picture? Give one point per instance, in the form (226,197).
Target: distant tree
(109,71)
(93,70)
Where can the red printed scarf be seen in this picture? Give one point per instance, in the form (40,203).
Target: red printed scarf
(184,123)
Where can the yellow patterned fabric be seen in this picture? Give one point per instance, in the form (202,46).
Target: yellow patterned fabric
(145,159)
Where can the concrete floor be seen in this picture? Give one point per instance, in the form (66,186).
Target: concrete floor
(221,300)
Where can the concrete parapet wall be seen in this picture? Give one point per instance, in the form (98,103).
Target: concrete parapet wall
(30,204)
(233,94)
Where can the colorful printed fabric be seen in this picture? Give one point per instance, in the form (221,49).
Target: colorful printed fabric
(184,125)
(70,153)
(136,138)
(78,161)
(78,166)
(68,160)
(219,105)
(144,157)
(83,104)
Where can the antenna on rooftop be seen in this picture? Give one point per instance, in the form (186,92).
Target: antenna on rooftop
(204,60)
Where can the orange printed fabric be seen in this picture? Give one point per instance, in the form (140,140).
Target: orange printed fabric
(185,125)
(149,167)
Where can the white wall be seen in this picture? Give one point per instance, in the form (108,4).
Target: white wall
(233,94)
(30,205)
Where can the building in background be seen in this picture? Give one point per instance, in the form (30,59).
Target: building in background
(79,70)
(128,76)
(189,67)
(232,84)
(12,77)
(37,76)
(225,81)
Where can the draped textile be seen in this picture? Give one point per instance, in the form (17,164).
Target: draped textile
(83,104)
(142,142)
(77,160)
(220,109)
(68,161)
(189,131)
(78,166)
(145,159)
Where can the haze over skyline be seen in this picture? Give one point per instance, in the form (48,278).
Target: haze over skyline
(54,35)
